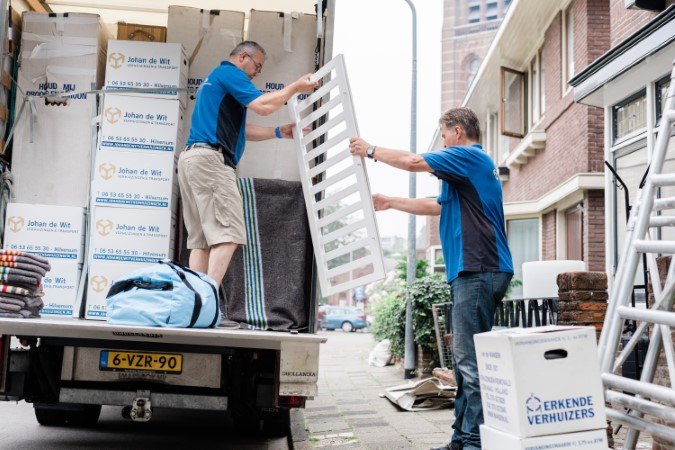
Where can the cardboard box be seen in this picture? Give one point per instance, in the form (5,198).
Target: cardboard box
(208,37)
(138,32)
(147,65)
(54,232)
(73,40)
(102,274)
(492,439)
(135,181)
(132,235)
(60,286)
(540,381)
(290,54)
(137,124)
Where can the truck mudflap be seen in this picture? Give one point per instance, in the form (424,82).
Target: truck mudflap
(299,369)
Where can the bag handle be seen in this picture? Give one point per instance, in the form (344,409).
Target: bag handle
(198,275)
(198,298)
(127,285)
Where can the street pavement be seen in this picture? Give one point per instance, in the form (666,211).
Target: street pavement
(168,429)
(349,412)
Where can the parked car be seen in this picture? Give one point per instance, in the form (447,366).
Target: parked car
(345,317)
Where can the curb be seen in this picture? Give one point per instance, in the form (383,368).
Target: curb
(298,438)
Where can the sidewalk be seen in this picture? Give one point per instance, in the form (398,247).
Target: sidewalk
(349,412)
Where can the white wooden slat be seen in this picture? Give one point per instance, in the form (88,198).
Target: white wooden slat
(314,116)
(337,215)
(328,182)
(355,264)
(330,162)
(330,143)
(346,249)
(353,189)
(315,195)
(344,231)
(316,95)
(323,129)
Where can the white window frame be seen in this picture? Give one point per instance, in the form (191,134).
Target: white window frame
(567,47)
(534,91)
(539,218)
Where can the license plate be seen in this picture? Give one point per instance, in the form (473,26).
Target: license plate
(153,362)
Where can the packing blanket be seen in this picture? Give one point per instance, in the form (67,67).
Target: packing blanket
(266,286)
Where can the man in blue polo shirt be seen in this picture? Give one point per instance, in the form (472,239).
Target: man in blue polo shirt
(212,205)
(473,236)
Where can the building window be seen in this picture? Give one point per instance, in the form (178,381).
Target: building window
(493,137)
(629,116)
(542,84)
(492,9)
(535,89)
(661,93)
(474,13)
(436,262)
(567,46)
(512,110)
(523,237)
(574,231)
(472,70)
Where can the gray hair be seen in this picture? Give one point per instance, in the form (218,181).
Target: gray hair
(249,47)
(465,118)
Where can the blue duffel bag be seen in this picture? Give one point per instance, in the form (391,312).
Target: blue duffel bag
(164,295)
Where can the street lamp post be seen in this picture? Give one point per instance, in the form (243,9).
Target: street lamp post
(409,356)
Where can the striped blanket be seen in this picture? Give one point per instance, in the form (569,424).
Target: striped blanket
(266,285)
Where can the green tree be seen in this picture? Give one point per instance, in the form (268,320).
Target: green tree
(421,271)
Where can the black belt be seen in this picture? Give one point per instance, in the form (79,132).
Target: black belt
(226,158)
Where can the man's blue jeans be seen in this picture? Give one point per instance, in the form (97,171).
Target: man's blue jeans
(475,296)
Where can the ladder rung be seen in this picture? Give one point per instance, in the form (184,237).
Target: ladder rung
(330,162)
(341,251)
(654,429)
(640,404)
(648,390)
(664,203)
(330,143)
(323,129)
(339,214)
(662,221)
(660,317)
(663,179)
(316,95)
(320,112)
(667,247)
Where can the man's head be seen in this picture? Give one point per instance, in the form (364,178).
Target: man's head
(459,126)
(250,57)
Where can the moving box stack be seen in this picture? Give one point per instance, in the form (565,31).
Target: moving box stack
(208,37)
(541,389)
(134,188)
(51,155)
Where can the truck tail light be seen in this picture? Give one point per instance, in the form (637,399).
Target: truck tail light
(291,401)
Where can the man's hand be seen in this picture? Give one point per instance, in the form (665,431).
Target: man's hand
(305,85)
(287,130)
(358,146)
(381,202)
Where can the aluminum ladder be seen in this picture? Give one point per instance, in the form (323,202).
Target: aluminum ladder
(640,398)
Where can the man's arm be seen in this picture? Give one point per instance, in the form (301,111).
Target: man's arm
(396,158)
(258,133)
(273,101)
(417,206)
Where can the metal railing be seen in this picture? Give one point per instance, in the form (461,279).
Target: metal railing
(527,312)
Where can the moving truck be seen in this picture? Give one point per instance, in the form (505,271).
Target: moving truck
(58,364)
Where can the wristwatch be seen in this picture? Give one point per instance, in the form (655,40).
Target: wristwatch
(370,152)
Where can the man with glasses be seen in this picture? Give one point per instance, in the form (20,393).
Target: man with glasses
(212,204)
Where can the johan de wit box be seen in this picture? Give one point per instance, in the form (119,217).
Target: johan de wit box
(131,235)
(492,439)
(102,274)
(540,381)
(134,181)
(147,65)
(145,125)
(60,285)
(54,232)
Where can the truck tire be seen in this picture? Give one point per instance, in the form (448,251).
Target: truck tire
(86,416)
(347,327)
(277,424)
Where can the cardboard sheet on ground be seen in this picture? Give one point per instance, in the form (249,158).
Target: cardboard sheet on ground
(423,395)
